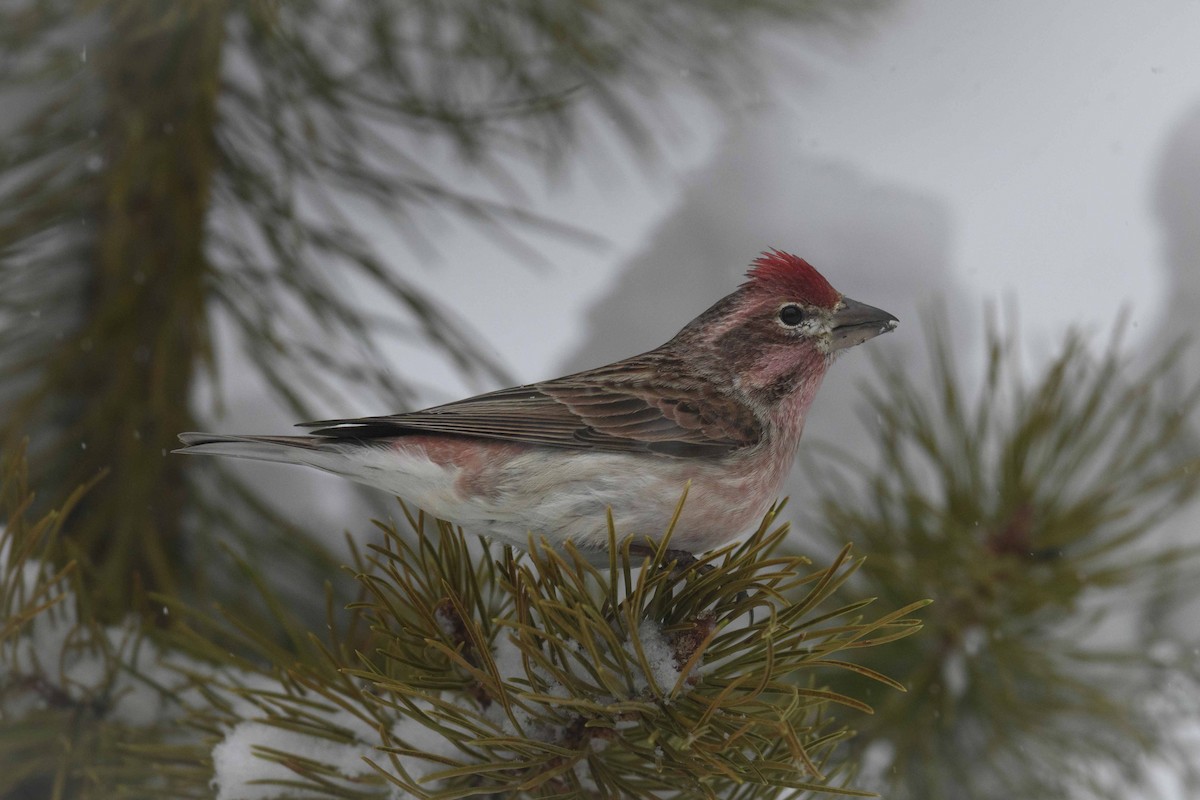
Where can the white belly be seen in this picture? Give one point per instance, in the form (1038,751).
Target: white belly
(565,495)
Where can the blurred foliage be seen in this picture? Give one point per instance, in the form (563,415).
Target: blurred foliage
(1030,511)
(175,170)
(72,718)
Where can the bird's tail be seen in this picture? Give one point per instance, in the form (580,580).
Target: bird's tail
(282,449)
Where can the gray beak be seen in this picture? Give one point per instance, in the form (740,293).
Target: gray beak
(855,323)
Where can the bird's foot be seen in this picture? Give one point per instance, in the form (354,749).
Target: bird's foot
(682,561)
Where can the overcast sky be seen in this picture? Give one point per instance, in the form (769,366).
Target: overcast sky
(1041,124)
(1039,127)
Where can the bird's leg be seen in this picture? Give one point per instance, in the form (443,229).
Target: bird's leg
(684,562)
(683,559)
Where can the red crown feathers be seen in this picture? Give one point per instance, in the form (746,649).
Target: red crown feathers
(785,274)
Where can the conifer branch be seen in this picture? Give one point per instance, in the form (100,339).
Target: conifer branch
(539,675)
(1031,510)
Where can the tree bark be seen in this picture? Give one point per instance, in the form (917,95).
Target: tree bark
(121,385)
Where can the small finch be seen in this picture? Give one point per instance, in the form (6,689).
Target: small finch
(720,407)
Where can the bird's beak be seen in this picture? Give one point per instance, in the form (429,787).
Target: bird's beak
(855,323)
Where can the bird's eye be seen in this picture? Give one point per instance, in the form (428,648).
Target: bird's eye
(791,315)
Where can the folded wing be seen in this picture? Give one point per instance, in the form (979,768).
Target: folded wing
(585,411)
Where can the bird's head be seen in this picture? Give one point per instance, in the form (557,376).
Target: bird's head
(784,325)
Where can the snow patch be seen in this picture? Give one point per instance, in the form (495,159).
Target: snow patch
(240,763)
(138,683)
(660,657)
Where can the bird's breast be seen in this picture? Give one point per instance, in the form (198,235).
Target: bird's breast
(508,490)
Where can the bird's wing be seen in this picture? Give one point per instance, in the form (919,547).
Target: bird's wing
(600,409)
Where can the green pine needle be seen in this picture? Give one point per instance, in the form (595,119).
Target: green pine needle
(1030,510)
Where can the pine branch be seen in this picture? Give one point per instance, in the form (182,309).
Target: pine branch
(1031,511)
(458,675)
(78,699)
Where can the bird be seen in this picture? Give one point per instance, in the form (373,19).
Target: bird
(716,412)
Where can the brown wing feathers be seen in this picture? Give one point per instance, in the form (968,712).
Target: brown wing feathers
(576,414)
